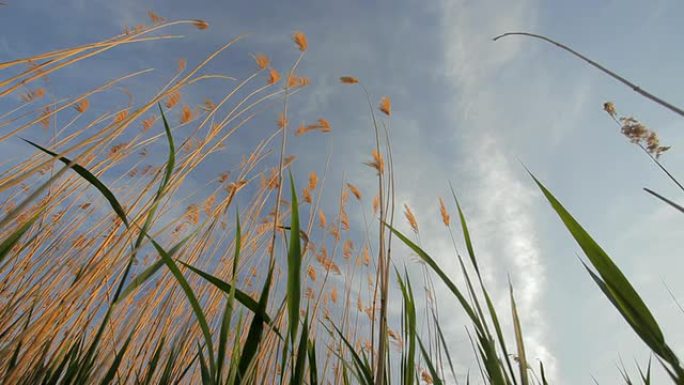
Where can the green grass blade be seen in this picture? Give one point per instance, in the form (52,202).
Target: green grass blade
(410,325)
(149,272)
(466,233)
(313,371)
(204,370)
(364,370)
(294,264)
(256,329)
(240,295)
(92,179)
(433,372)
(170,164)
(152,365)
(431,262)
(171,161)
(116,363)
(300,360)
(228,311)
(616,286)
(192,298)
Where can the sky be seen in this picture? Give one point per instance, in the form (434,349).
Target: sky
(469,111)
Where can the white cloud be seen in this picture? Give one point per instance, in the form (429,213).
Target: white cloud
(502,198)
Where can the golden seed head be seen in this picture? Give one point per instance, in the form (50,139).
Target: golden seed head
(120,116)
(377,163)
(172,99)
(311,272)
(313,180)
(181,64)
(154,18)
(385,105)
(410,218)
(609,107)
(147,123)
(445,214)
(282,121)
(322,221)
(273,76)
(186,115)
(200,24)
(354,190)
(324,125)
(296,81)
(82,106)
(306,195)
(348,80)
(333,294)
(261,61)
(300,39)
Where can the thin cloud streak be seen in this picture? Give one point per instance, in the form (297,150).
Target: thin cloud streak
(504,201)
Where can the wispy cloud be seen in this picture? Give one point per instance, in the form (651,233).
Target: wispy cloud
(503,201)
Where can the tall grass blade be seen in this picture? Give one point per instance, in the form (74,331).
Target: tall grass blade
(313,371)
(431,262)
(294,266)
(410,325)
(87,175)
(115,364)
(228,311)
(302,353)
(431,367)
(616,287)
(256,329)
(192,298)
(170,164)
(238,294)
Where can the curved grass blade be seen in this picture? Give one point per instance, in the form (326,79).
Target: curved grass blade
(225,287)
(170,164)
(92,179)
(431,262)
(149,272)
(192,298)
(616,286)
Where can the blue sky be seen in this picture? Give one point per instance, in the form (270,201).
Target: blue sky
(465,110)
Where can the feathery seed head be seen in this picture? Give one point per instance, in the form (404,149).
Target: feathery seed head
(300,39)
